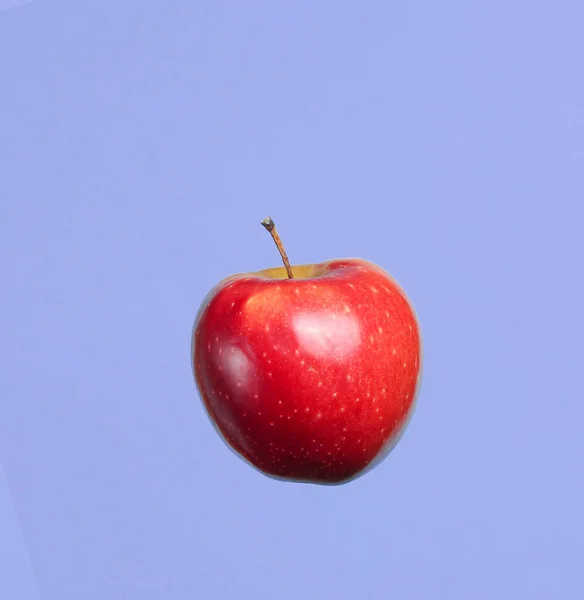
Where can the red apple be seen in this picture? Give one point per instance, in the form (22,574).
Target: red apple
(312,378)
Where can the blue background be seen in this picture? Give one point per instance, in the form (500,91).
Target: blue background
(141,143)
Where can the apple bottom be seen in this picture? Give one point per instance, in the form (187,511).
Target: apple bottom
(330,454)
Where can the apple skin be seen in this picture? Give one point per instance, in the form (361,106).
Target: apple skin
(311,379)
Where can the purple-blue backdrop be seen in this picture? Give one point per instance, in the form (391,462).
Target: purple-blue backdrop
(141,143)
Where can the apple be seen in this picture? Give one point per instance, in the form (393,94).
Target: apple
(309,373)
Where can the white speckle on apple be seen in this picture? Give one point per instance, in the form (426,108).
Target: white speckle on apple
(374,289)
(344,429)
(302,362)
(271,423)
(357,399)
(371,339)
(296,291)
(351,286)
(334,394)
(383,390)
(296,352)
(320,384)
(405,365)
(377,409)
(319,415)
(259,414)
(387,313)
(380,329)
(307,409)
(342,409)
(217,339)
(232,304)
(267,328)
(280,402)
(394,351)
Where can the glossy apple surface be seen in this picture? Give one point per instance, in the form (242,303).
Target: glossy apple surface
(309,379)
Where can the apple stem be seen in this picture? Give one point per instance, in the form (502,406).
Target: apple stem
(271,227)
